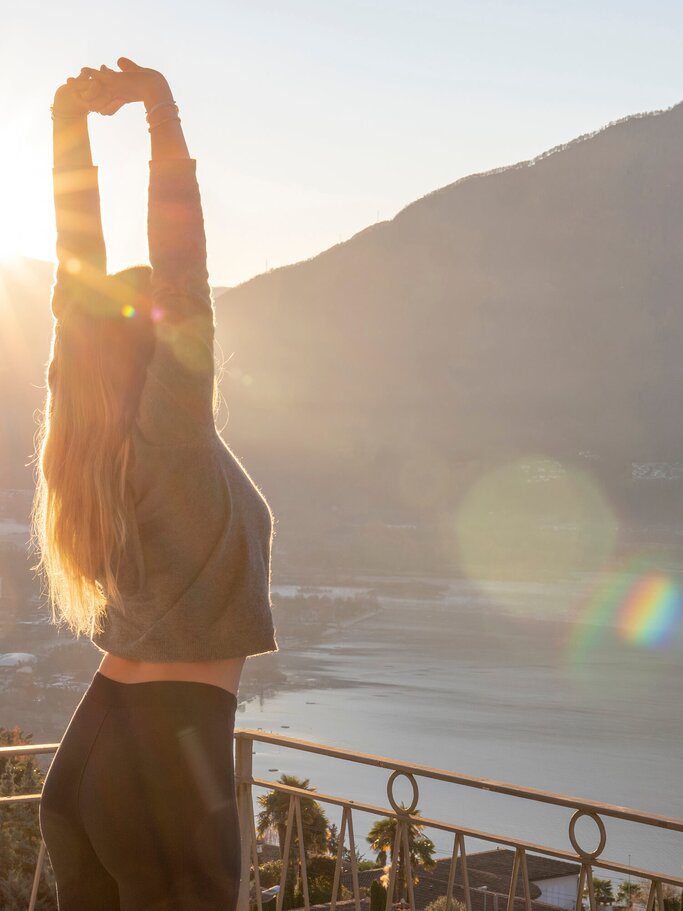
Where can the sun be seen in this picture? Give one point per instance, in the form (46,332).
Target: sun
(10,259)
(25,226)
(27,219)
(9,247)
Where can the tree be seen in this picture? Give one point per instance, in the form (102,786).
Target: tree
(333,848)
(672,895)
(421,849)
(275,805)
(320,880)
(439,904)
(603,891)
(320,890)
(20,836)
(628,893)
(378,896)
(315,826)
(333,839)
(270,873)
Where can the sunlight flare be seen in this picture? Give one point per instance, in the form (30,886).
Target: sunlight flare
(639,604)
(533,520)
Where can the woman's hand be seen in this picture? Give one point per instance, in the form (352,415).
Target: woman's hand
(74,97)
(132,83)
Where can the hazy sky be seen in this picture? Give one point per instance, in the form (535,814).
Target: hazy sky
(312,118)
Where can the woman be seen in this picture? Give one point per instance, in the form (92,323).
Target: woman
(153,539)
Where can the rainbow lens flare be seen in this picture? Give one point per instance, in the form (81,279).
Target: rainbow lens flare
(128,310)
(650,611)
(640,605)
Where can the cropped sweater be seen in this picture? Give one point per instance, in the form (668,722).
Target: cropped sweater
(195,575)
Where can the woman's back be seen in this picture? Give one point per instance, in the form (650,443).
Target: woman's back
(194,575)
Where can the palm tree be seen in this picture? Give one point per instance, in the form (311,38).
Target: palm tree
(421,849)
(603,891)
(629,893)
(315,823)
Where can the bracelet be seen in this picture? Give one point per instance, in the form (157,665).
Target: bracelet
(161,105)
(160,122)
(57,116)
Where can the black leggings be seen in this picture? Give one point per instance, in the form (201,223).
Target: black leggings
(138,810)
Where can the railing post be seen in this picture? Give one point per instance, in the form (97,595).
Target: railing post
(243,777)
(36,877)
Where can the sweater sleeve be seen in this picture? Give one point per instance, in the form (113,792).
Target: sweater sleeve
(176,406)
(81,254)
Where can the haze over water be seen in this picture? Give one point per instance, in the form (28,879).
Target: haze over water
(468,686)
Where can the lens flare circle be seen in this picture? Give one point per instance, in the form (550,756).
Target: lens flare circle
(534,519)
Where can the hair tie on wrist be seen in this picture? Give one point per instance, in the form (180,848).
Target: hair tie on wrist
(160,122)
(161,104)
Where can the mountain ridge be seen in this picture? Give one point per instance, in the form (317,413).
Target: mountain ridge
(522,163)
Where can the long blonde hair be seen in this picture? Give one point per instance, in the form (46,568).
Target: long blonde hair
(83,507)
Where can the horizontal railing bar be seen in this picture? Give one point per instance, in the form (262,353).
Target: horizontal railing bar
(470,781)
(29,748)
(428,822)
(19,798)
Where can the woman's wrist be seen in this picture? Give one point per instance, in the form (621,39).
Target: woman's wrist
(67,107)
(67,120)
(158,91)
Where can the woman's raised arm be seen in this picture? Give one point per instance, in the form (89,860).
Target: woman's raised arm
(176,407)
(81,253)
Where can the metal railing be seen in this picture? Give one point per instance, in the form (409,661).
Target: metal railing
(405,817)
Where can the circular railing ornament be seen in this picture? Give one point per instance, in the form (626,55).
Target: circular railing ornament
(390,791)
(587,855)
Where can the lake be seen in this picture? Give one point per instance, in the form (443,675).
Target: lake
(510,683)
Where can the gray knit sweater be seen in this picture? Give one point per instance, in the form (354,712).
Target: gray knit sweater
(195,578)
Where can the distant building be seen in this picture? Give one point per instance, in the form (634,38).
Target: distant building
(16,660)
(557,880)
